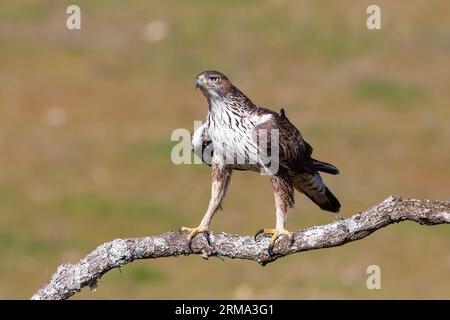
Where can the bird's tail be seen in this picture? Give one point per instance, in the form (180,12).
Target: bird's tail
(314,188)
(325,167)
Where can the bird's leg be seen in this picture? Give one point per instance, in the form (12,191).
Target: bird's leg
(220,179)
(284,198)
(278,231)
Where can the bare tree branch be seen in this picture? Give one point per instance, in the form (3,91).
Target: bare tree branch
(71,278)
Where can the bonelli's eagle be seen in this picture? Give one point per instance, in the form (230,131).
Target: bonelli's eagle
(240,135)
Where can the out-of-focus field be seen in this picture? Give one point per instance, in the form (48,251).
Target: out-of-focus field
(86,118)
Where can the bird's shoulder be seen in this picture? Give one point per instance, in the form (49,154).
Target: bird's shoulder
(277,120)
(294,151)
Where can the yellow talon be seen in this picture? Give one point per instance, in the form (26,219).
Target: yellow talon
(194,231)
(276,233)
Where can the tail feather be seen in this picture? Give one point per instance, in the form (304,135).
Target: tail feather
(324,167)
(316,190)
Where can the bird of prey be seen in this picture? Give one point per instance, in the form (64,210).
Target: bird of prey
(235,128)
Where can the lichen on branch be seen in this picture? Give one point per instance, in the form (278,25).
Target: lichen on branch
(71,278)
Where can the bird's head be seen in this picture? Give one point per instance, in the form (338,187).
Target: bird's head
(213,84)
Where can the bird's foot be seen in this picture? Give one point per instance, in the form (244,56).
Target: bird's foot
(276,233)
(194,231)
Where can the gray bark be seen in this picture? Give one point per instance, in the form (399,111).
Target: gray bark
(71,278)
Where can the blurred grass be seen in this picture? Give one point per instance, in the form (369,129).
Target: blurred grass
(375,103)
(149,150)
(389,92)
(139,274)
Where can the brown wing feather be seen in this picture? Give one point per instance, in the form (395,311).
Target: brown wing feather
(294,152)
(295,156)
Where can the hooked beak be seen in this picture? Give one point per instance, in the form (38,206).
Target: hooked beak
(200,82)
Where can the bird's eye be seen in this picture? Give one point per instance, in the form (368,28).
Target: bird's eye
(215,79)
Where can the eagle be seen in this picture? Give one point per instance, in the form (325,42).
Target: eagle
(238,129)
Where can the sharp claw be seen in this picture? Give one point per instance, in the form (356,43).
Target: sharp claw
(292,240)
(258,233)
(272,244)
(206,234)
(270,249)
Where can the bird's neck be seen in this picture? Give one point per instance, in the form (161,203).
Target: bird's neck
(234,100)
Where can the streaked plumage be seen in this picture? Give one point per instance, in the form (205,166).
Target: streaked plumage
(236,128)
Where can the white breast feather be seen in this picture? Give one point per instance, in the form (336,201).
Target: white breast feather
(230,140)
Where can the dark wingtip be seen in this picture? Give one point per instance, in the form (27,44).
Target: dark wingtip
(333,204)
(325,167)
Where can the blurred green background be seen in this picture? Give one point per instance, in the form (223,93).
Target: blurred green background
(86,118)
